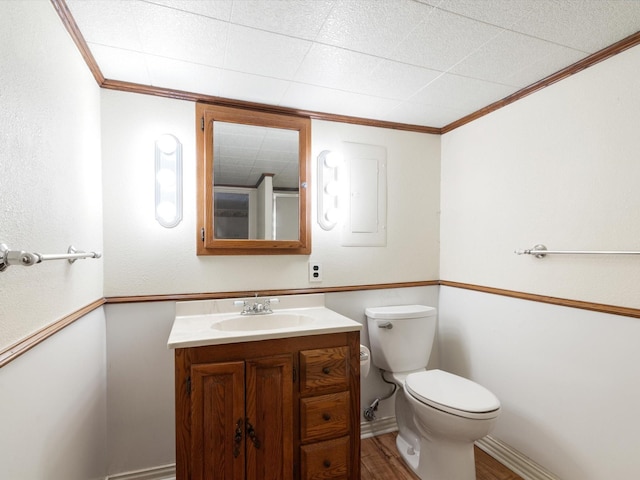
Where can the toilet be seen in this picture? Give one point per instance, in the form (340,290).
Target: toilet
(440,415)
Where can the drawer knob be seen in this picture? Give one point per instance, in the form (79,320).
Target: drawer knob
(326,463)
(326,417)
(326,370)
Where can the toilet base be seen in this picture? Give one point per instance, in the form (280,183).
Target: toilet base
(444,460)
(408,452)
(438,461)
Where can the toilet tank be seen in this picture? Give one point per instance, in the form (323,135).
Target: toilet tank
(401,336)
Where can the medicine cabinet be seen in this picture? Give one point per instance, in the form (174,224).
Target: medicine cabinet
(253,192)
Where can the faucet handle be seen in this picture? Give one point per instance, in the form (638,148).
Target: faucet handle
(246,308)
(267,304)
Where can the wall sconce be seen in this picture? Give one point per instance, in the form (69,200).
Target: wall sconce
(328,188)
(168,181)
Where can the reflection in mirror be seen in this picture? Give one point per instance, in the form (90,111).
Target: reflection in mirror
(285,208)
(252,182)
(231,213)
(252,165)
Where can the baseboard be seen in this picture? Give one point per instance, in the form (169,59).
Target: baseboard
(508,456)
(165,472)
(378,427)
(514,460)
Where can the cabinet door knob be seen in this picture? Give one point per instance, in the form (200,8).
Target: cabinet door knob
(326,417)
(326,463)
(326,370)
(252,434)
(237,439)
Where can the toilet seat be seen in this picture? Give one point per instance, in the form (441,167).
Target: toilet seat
(452,394)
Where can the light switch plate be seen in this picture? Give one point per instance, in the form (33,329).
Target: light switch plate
(315,272)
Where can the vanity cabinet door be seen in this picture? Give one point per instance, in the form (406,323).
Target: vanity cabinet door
(217,412)
(269,416)
(242,419)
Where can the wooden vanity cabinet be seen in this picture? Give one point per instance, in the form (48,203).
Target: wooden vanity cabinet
(282,409)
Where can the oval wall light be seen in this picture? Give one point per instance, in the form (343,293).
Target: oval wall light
(168,180)
(328,189)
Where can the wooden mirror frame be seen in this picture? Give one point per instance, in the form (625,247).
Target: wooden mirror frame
(207,244)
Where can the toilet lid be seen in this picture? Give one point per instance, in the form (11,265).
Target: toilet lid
(451,393)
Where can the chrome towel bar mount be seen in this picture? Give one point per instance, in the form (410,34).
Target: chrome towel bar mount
(26,259)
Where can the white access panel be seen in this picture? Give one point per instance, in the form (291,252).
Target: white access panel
(364,198)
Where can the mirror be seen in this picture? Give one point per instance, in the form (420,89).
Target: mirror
(252,164)
(252,182)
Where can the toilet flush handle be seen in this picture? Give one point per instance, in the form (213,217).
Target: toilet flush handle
(387,325)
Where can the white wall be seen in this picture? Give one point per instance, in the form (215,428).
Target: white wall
(566,379)
(145,258)
(52,398)
(559,167)
(53,404)
(50,182)
(413,204)
(140,397)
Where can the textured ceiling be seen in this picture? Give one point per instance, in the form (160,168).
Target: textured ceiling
(418,62)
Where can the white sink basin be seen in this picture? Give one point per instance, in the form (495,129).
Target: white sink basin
(269,321)
(216,322)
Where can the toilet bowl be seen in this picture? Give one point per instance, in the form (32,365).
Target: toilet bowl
(439,415)
(450,414)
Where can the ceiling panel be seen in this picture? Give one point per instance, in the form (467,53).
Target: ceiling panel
(420,62)
(587,25)
(503,56)
(264,53)
(181,35)
(252,88)
(396,80)
(374,27)
(333,67)
(416,113)
(500,13)
(117,63)
(200,78)
(109,23)
(218,9)
(444,40)
(321,99)
(295,18)
(462,93)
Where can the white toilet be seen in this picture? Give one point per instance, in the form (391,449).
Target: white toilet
(439,415)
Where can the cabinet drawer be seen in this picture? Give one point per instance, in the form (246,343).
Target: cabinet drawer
(324,369)
(324,417)
(325,460)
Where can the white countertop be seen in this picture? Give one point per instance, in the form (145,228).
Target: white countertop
(192,326)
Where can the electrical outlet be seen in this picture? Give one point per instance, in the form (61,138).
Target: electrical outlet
(315,272)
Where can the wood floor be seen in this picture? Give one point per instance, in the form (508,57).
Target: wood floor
(381,461)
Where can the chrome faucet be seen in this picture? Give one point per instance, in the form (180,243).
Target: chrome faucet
(257,307)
